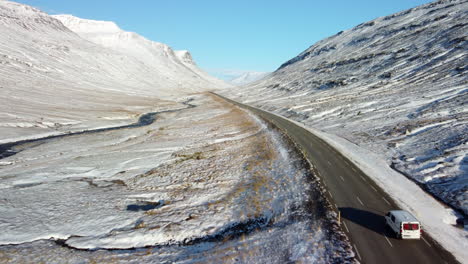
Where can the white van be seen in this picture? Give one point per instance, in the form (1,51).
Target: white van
(404,224)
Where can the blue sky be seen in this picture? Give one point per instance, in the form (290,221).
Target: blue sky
(236,35)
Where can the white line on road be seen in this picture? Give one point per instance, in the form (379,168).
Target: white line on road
(359,201)
(357,252)
(328,162)
(426,241)
(330,194)
(342,178)
(344,223)
(353,169)
(386,200)
(388,240)
(374,188)
(362,178)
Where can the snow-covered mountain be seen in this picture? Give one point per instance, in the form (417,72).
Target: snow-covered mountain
(248,77)
(174,65)
(396,86)
(53,80)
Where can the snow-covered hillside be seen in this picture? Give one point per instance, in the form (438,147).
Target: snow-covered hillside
(54,81)
(396,86)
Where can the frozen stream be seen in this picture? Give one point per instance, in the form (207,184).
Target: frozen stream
(10,149)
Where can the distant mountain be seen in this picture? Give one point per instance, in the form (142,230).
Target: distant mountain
(248,77)
(53,80)
(396,85)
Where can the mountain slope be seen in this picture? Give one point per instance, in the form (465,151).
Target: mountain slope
(54,81)
(396,86)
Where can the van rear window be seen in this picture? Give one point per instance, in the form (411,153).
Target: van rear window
(410,226)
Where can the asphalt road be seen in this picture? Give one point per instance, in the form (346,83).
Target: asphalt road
(362,204)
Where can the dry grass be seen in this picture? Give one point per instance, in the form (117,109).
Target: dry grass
(140,225)
(193,156)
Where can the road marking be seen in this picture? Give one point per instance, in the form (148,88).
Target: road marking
(353,169)
(374,188)
(357,252)
(328,162)
(330,194)
(426,241)
(344,223)
(342,178)
(386,200)
(362,178)
(359,201)
(388,241)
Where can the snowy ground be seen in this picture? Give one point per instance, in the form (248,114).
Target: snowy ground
(210,183)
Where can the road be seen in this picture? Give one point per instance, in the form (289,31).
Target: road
(361,202)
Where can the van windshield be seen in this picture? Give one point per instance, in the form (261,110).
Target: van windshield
(409,226)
